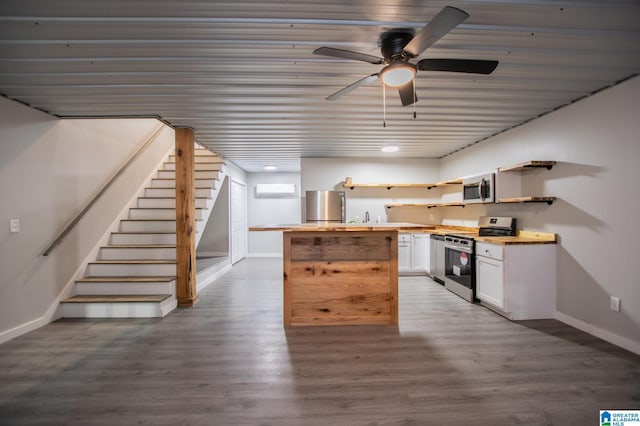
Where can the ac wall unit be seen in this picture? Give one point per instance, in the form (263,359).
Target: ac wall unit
(275,190)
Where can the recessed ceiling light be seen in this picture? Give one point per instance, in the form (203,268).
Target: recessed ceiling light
(390,148)
(270,167)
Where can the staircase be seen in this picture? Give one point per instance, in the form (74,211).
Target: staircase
(134,275)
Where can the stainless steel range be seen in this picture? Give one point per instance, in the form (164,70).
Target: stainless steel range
(459,265)
(459,254)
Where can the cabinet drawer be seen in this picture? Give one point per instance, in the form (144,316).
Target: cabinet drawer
(404,238)
(493,251)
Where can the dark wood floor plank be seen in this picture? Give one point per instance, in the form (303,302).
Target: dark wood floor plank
(229,361)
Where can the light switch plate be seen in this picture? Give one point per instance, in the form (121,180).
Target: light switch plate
(14,225)
(614,304)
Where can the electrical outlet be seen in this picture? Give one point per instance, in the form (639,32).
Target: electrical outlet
(614,304)
(14,225)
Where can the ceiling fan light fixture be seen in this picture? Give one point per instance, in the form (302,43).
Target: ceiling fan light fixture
(270,168)
(398,74)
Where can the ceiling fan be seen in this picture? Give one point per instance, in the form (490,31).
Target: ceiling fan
(398,46)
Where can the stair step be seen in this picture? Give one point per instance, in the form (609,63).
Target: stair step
(137,213)
(199,174)
(140,252)
(135,268)
(202,192)
(142,238)
(168,202)
(202,157)
(118,306)
(125,285)
(133,262)
(197,166)
(153,225)
(126,279)
(208,182)
(118,298)
(148,225)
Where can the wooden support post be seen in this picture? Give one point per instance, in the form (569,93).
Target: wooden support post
(185,218)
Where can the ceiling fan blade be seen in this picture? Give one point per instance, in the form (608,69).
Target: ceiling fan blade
(474,66)
(407,95)
(446,20)
(353,86)
(348,54)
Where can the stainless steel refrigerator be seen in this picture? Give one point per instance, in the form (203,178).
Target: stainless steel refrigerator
(325,206)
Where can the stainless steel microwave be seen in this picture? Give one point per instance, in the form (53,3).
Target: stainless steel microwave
(479,189)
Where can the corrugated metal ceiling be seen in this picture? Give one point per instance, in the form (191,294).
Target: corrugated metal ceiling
(243,75)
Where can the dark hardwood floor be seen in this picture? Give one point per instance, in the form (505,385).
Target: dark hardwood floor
(228,361)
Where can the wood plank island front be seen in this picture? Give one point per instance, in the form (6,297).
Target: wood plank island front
(341,274)
(338,277)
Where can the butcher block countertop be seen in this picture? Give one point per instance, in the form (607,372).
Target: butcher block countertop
(344,227)
(522,237)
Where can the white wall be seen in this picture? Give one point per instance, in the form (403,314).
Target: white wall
(215,240)
(330,173)
(49,170)
(263,211)
(597,146)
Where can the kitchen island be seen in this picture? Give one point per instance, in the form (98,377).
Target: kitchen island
(340,274)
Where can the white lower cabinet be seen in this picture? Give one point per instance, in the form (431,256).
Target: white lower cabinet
(413,253)
(490,288)
(420,252)
(404,253)
(517,281)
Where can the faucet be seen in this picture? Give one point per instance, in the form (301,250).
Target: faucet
(366,217)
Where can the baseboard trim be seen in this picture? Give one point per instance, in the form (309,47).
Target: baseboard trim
(53,313)
(212,253)
(25,328)
(211,278)
(606,335)
(277,254)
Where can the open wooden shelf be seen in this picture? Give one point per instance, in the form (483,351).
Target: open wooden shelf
(528,165)
(548,200)
(457,181)
(348,183)
(429,205)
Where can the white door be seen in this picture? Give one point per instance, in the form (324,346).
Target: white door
(239,230)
